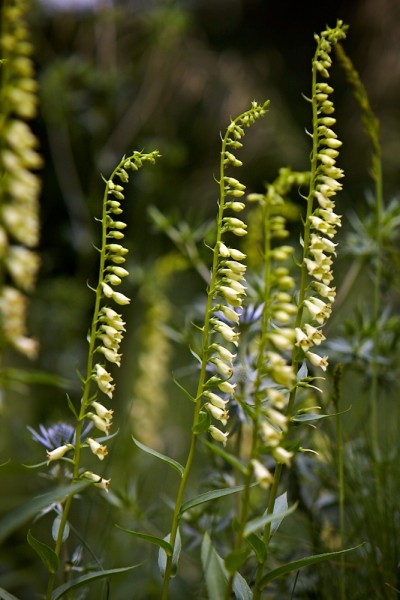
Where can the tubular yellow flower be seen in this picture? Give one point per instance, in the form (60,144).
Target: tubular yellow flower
(20,186)
(104,380)
(223,368)
(282,456)
(215,399)
(317,361)
(97,480)
(101,424)
(58,453)
(227,387)
(120,298)
(110,355)
(102,411)
(261,473)
(219,414)
(270,435)
(224,353)
(98,449)
(218,435)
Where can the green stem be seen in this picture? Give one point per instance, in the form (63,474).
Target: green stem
(299,316)
(202,378)
(339,436)
(86,391)
(376,306)
(245,496)
(267,530)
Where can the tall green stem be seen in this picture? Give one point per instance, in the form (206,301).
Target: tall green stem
(340,467)
(304,279)
(376,306)
(86,394)
(245,497)
(202,378)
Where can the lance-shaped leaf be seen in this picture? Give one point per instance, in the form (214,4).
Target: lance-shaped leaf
(161,543)
(162,555)
(213,495)
(302,562)
(86,579)
(170,461)
(47,554)
(216,575)
(4,595)
(30,509)
(229,458)
(256,524)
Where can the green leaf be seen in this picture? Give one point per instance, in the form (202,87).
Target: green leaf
(56,527)
(10,376)
(241,588)
(234,560)
(161,543)
(4,595)
(216,575)
(72,407)
(213,495)
(229,458)
(302,562)
(258,545)
(195,355)
(47,554)
(280,506)
(256,524)
(302,372)
(183,389)
(214,570)
(85,579)
(203,424)
(170,461)
(304,417)
(36,466)
(27,511)
(162,556)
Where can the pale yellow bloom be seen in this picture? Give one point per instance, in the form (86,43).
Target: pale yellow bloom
(218,435)
(261,473)
(58,453)
(98,449)
(97,480)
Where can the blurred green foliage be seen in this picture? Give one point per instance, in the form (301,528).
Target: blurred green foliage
(169,74)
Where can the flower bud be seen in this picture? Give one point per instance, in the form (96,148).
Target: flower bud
(218,435)
(58,453)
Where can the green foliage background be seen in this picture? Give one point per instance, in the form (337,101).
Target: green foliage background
(146,74)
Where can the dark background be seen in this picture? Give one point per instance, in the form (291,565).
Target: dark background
(136,74)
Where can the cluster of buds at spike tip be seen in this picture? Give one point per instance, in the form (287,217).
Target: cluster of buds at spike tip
(19,159)
(110,325)
(228,285)
(323,221)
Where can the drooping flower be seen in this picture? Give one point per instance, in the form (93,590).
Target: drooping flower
(104,380)
(97,480)
(262,474)
(218,435)
(58,453)
(98,449)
